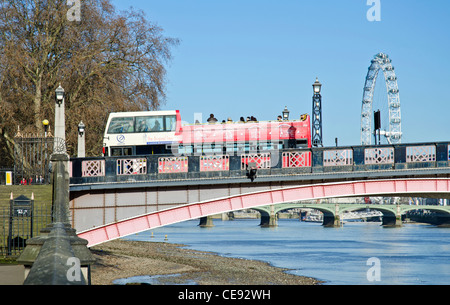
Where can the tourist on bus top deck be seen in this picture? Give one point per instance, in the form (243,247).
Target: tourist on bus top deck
(211,119)
(142,126)
(156,127)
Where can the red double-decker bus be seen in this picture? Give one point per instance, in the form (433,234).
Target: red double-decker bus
(240,137)
(162,132)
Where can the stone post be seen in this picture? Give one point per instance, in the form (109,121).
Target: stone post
(81,140)
(48,257)
(58,256)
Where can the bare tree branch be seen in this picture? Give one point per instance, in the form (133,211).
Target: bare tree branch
(108,61)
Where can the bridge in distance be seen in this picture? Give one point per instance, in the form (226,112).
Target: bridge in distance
(112,197)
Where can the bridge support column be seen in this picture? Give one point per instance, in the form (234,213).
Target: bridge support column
(443,220)
(269,220)
(332,220)
(206,222)
(393,220)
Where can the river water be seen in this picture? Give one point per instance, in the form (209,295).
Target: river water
(356,254)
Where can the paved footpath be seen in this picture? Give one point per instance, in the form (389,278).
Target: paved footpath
(11,274)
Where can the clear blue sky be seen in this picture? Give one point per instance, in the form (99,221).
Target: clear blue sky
(247,57)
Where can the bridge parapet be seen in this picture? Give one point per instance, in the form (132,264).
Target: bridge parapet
(353,159)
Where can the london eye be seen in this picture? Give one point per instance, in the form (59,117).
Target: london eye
(391,114)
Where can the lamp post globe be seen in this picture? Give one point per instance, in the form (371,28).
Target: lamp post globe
(59,93)
(45,123)
(317,86)
(285,114)
(81,128)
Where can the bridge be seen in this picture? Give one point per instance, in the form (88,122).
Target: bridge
(112,197)
(334,214)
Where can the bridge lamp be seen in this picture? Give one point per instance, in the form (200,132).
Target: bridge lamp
(317,115)
(45,123)
(59,95)
(285,114)
(81,140)
(317,86)
(81,128)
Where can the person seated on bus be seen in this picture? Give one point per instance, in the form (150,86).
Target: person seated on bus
(157,126)
(128,127)
(211,119)
(229,121)
(142,126)
(241,120)
(279,118)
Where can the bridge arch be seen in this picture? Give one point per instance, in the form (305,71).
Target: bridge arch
(268,213)
(392,215)
(424,187)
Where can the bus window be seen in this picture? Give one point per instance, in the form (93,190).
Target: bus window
(156,123)
(142,124)
(170,122)
(302,143)
(121,151)
(266,146)
(121,125)
(229,148)
(185,149)
(149,124)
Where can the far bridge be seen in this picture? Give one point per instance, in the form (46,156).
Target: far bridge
(335,213)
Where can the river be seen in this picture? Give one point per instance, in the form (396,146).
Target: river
(356,254)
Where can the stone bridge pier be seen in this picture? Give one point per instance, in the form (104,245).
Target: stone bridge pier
(269,217)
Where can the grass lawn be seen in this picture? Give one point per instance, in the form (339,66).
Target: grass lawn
(21,226)
(42,194)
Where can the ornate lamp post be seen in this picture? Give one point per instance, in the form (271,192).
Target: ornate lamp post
(60,120)
(317,115)
(60,94)
(81,140)
(45,123)
(285,114)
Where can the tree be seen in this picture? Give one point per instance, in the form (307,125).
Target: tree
(107,61)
